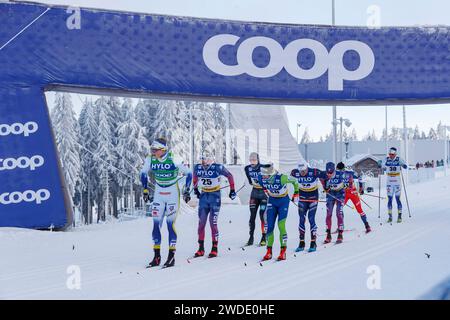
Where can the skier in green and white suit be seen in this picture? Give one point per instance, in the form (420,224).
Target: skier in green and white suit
(275,185)
(166,200)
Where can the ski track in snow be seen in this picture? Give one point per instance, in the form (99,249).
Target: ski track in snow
(112,258)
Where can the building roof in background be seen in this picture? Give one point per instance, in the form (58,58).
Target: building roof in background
(359,157)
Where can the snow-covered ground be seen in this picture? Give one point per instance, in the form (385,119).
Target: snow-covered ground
(112,258)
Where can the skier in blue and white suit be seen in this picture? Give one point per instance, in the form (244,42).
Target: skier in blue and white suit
(309,180)
(334,186)
(393,165)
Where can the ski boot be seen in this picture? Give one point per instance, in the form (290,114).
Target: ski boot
(201,249)
(301,246)
(156,259)
(213,252)
(328,238)
(399,218)
(390,218)
(368,229)
(262,243)
(268,255)
(312,246)
(250,241)
(170,262)
(340,237)
(282,255)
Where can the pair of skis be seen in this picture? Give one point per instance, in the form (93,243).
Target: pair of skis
(251,246)
(160,268)
(189,260)
(197,258)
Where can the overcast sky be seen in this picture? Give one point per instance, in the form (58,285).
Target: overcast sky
(348,12)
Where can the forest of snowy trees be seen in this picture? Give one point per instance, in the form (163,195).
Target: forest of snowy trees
(102,150)
(395,133)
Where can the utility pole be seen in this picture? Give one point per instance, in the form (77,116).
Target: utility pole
(298,126)
(341,153)
(386,128)
(191,136)
(333,13)
(107,194)
(445,128)
(131,196)
(334,134)
(405,140)
(445,150)
(341,121)
(228,152)
(346,149)
(333,22)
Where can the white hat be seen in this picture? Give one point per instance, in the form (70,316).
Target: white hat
(393,150)
(267,169)
(302,166)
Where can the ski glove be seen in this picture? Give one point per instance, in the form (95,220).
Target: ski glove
(404,166)
(146,195)
(187,196)
(197,193)
(232,194)
(294,198)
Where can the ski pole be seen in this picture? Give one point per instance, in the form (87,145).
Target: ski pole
(241,188)
(379,195)
(224,187)
(307,200)
(342,202)
(371,195)
(310,200)
(365,203)
(406,193)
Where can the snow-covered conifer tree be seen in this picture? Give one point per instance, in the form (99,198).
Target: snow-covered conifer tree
(88,141)
(66,132)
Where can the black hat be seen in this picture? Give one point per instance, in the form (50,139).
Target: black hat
(340,166)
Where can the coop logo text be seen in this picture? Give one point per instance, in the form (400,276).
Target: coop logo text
(17,128)
(286,58)
(22,163)
(16,197)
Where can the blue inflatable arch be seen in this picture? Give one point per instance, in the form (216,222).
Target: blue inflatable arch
(163,56)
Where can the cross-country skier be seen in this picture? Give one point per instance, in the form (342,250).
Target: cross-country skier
(257,198)
(308,183)
(351,192)
(207,177)
(166,199)
(275,184)
(335,190)
(393,165)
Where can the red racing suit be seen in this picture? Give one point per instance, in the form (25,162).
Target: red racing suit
(351,192)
